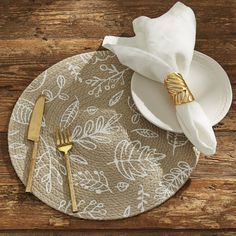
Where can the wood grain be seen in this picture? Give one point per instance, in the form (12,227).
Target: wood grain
(36,34)
(123,232)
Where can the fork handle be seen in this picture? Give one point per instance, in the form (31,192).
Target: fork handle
(71,186)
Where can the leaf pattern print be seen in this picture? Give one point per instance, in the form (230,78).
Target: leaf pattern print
(135,118)
(119,160)
(122,186)
(49,163)
(92,110)
(95,132)
(115,98)
(172,181)
(13,132)
(142,198)
(74,70)
(78,159)
(176,140)
(127,211)
(37,83)
(49,95)
(22,111)
(92,210)
(147,133)
(70,114)
(98,84)
(97,182)
(102,56)
(132,159)
(86,57)
(19,149)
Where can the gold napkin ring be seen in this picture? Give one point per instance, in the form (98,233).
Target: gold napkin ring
(178,89)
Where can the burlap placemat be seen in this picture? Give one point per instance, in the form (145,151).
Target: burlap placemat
(122,165)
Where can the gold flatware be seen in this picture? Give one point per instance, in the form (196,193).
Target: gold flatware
(33,135)
(64,145)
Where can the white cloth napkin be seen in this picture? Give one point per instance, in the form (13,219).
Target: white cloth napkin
(161,46)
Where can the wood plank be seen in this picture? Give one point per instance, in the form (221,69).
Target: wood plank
(85,19)
(123,232)
(204,203)
(38,52)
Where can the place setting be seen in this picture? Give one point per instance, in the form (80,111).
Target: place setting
(114,133)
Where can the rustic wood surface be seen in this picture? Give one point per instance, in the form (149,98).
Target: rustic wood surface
(36,34)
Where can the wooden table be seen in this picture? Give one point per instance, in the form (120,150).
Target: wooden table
(36,34)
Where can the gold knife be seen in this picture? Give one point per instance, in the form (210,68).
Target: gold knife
(33,135)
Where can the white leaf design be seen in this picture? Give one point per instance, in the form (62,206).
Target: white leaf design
(78,159)
(95,132)
(132,159)
(142,198)
(147,133)
(19,150)
(90,145)
(172,181)
(92,210)
(101,56)
(37,83)
(75,70)
(43,122)
(135,118)
(99,84)
(92,110)
(122,186)
(64,205)
(126,212)
(111,124)
(63,96)
(61,81)
(13,132)
(85,57)
(22,111)
(176,140)
(70,114)
(61,205)
(96,182)
(77,132)
(48,94)
(115,98)
(49,163)
(17,145)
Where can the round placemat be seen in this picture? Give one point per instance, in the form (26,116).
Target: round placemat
(122,165)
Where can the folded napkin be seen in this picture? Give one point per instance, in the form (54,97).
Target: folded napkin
(161,46)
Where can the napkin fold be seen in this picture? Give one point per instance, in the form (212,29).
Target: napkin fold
(161,46)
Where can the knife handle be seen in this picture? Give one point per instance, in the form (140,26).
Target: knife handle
(31,168)
(71,186)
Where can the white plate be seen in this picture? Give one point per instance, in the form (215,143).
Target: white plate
(208,82)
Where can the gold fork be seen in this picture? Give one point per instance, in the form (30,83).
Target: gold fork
(64,145)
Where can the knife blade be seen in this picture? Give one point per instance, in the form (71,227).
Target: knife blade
(33,135)
(36,119)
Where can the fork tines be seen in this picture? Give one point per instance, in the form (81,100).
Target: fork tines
(63,136)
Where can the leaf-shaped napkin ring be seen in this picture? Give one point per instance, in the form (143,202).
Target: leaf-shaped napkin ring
(178,89)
